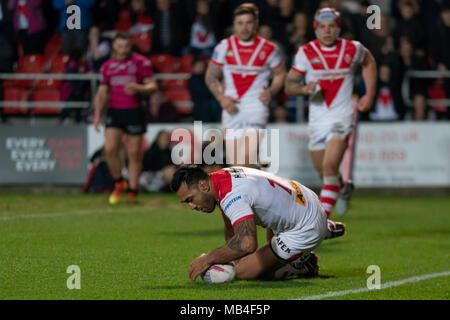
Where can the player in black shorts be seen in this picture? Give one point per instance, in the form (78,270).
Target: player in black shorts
(124,78)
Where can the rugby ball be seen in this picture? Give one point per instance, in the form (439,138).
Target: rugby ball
(219,273)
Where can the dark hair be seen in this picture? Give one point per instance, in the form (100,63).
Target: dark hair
(191,174)
(121,35)
(246,8)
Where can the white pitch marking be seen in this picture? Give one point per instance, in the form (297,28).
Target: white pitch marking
(386,285)
(62,214)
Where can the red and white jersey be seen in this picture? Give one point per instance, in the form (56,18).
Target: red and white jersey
(274,202)
(246,66)
(333,68)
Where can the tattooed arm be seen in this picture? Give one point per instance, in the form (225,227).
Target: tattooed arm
(241,244)
(213,80)
(294,87)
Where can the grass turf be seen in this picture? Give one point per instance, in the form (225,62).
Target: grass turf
(144,251)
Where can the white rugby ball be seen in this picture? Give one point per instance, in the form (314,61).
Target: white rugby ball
(219,273)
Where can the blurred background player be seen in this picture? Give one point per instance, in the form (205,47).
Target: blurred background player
(123,78)
(329,64)
(246,62)
(248,197)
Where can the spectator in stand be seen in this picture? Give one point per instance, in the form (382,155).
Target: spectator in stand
(99,49)
(6,40)
(161,109)
(440,45)
(359,20)
(168,36)
(142,22)
(157,166)
(300,32)
(105,14)
(282,21)
(388,101)
(280,115)
(409,26)
(29,24)
(415,60)
(77,37)
(6,24)
(206,107)
(202,33)
(380,41)
(75,90)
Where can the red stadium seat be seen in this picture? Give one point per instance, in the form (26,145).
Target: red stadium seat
(15,94)
(142,41)
(124,23)
(57,65)
(164,63)
(175,84)
(32,63)
(53,47)
(186,63)
(436,91)
(181,98)
(10,83)
(51,95)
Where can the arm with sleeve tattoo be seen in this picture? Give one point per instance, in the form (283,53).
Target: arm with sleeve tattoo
(213,80)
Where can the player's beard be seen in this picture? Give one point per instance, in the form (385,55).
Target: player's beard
(247,36)
(208,203)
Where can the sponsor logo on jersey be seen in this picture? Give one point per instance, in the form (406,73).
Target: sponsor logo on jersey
(315,60)
(231,202)
(229,53)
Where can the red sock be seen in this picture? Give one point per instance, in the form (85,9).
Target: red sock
(329,193)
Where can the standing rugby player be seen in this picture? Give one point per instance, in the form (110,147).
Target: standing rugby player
(328,64)
(124,78)
(245,61)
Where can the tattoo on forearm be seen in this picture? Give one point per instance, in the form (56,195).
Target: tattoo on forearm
(243,230)
(213,80)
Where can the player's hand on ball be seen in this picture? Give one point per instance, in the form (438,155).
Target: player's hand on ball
(365,103)
(228,103)
(199,266)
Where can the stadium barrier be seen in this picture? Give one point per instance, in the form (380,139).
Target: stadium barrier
(429,74)
(92,78)
(399,155)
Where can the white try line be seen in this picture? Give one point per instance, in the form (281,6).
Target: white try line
(386,285)
(70,213)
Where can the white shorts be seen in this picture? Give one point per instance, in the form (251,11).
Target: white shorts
(250,116)
(296,242)
(321,133)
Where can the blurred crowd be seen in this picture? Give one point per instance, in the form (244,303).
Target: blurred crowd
(414,35)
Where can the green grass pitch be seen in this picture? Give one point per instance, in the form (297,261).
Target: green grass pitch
(144,251)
